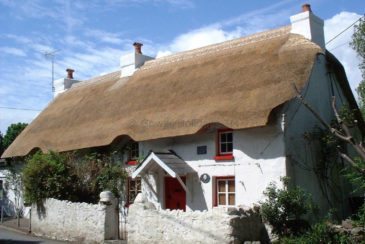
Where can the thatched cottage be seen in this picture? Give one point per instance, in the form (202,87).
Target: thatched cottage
(215,125)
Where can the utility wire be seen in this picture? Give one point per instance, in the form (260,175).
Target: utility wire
(27,109)
(344,30)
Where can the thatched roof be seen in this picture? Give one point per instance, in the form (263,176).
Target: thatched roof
(236,83)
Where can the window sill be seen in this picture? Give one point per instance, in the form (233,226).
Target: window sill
(228,157)
(132,162)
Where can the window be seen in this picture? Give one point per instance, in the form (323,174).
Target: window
(133,153)
(134,187)
(224,145)
(225,191)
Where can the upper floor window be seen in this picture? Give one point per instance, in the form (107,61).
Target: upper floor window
(133,153)
(225,141)
(224,145)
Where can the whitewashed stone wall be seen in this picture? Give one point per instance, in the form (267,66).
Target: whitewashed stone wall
(148,225)
(79,222)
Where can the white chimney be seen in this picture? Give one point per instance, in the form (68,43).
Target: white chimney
(129,63)
(64,84)
(308,25)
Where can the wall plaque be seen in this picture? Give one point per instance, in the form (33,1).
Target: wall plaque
(205,178)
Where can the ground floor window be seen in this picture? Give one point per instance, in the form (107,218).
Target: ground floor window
(134,187)
(225,191)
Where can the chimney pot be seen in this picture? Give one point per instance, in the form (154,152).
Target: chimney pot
(138,47)
(70,73)
(306,7)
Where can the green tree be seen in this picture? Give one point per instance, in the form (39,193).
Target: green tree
(358,44)
(1,143)
(12,132)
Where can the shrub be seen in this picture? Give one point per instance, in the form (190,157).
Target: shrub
(321,233)
(69,176)
(284,208)
(46,175)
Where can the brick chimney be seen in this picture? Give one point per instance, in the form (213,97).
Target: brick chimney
(70,73)
(308,25)
(63,84)
(306,7)
(138,47)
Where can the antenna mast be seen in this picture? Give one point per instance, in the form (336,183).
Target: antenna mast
(51,55)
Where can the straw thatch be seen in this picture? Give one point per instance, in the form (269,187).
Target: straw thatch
(235,83)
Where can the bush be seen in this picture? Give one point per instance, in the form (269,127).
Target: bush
(46,175)
(70,176)
(284,208)
(321,233)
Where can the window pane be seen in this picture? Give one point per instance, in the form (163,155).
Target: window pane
(231,199)
(231,187)
(221,186)
(223,137)
(229,147)
(229,137)
(221,199)
(223,148)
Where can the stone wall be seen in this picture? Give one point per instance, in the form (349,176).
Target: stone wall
(148,225)
(79,222)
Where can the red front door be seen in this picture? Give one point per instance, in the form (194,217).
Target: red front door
(175,196)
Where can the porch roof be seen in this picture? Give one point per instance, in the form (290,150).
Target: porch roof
(168,161)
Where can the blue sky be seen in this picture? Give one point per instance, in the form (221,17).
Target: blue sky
(90,36)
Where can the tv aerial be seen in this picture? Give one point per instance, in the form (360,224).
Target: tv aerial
(50,54)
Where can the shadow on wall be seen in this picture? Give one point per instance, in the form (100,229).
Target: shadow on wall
(8,207)
(197,200)
(237,225)
(41,210)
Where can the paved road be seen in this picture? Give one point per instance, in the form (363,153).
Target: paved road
(10,237)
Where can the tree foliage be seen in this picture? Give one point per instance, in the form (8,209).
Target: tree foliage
(358,44)
(284,209)
(70,176)
(1,143)
(11,133)
(46,176)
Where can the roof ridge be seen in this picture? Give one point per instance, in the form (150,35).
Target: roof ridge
(98,79)
(214,48)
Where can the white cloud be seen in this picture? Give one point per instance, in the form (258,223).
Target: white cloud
(13,51)
(199,38)
(340,46)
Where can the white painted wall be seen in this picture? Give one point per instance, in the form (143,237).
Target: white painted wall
(258,160)
(130,62)
(301,153)
(63,84)
(152,226)
(79,222)
(308,25)
(12,194)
